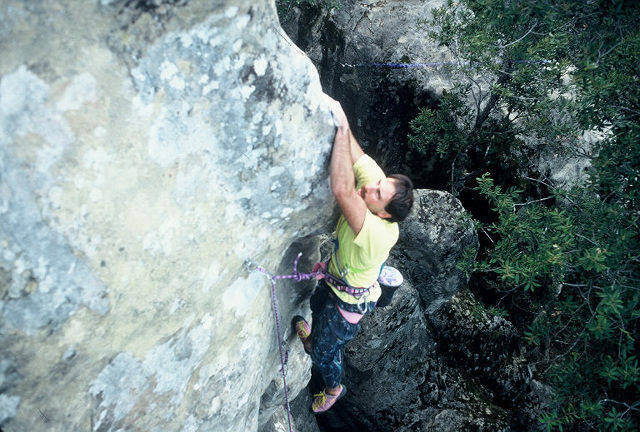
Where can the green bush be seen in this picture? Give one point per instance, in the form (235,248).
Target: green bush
(575,266)
(565,264)
(436,131)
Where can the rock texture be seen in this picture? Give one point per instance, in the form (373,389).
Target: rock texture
(370,31)
(489,349)
(432,243)
(150,151)
(302,417)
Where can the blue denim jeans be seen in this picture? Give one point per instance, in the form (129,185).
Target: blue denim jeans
(329,334)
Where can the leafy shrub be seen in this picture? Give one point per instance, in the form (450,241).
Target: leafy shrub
(565,264)
(436,131)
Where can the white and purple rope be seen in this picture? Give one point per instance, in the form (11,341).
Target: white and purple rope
(297,276)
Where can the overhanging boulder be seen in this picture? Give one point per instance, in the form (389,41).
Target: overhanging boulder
(433,241)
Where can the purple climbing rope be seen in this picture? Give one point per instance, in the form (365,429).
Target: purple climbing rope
(284,356)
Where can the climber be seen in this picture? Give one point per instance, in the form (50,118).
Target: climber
(371,205)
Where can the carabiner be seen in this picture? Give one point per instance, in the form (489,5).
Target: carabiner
(366,305)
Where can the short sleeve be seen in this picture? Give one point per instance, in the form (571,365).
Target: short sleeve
(367,171)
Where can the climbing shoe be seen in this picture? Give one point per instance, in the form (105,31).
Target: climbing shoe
(323,401)
(390,276)
(302,329)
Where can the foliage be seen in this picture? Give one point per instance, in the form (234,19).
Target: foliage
(565,264)
(435,130)
(576,267)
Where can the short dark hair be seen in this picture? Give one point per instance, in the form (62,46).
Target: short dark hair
(401,203)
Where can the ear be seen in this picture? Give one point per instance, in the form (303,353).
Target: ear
(383,214)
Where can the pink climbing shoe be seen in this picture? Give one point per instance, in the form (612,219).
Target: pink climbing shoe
(323,401)
(390,276)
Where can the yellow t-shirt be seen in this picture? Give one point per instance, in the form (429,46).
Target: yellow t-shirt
(359,258)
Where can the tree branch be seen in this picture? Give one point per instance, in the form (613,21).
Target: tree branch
(520,38)
(495,97)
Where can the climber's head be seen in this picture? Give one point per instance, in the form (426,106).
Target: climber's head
(402,201)
(389,198)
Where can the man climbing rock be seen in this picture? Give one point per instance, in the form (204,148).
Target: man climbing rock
(371,205)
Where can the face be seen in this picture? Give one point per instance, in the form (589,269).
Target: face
(377,195)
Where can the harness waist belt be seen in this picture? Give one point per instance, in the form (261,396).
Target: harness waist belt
(340,285)
(358,308)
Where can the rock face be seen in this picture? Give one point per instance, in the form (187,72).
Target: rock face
(303,419)
(149,151)
(387,363)
(356,33)
(488,349)
(432,243)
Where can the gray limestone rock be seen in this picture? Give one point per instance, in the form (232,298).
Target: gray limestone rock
(398,381)
(458,368)
(489,349)
(433,240)
(151,153)
(480,341)
(292,300)
(303,419)
(567,165)
(387,362)
(371,31)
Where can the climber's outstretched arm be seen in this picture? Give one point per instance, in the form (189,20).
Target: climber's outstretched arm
(356,150)
(343,182)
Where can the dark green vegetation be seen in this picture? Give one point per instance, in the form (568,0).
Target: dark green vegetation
(562,263)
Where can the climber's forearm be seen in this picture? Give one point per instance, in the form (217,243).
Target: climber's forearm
(356,150)
(341,170)
(343,182)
